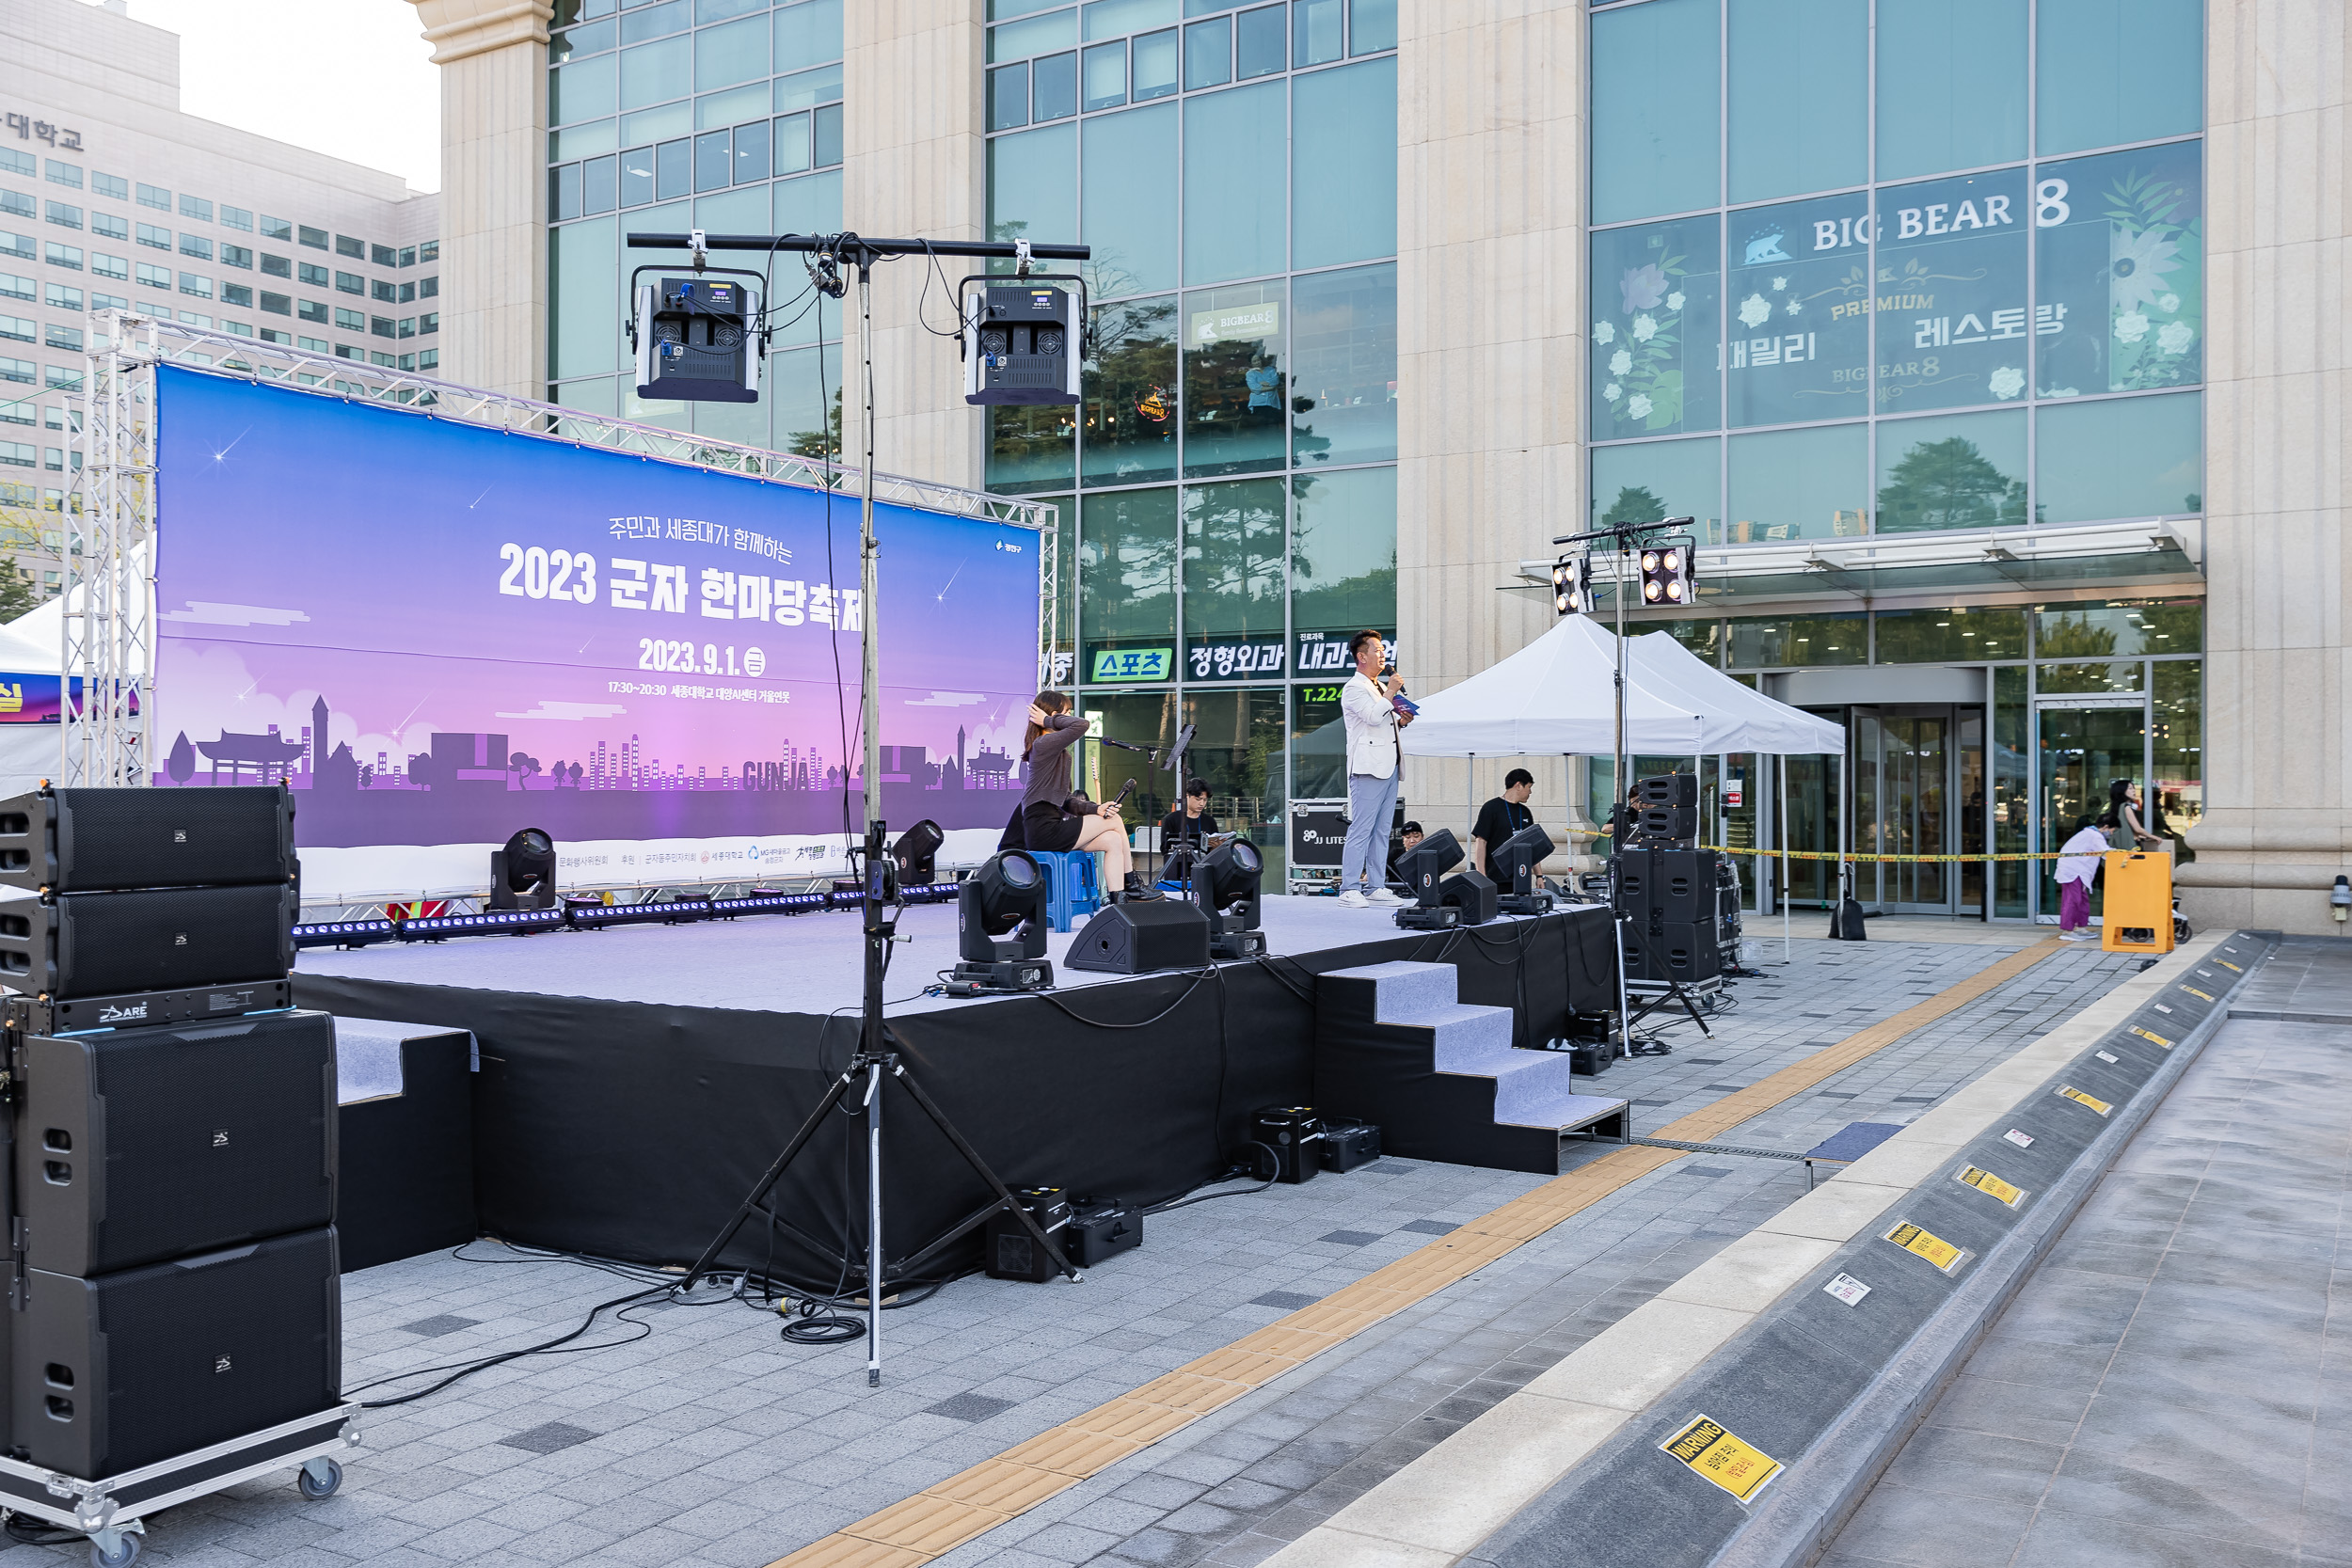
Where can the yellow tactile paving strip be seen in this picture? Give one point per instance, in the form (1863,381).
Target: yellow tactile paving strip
(971,1502)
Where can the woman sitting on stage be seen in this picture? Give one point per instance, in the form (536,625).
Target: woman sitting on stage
(1055,817)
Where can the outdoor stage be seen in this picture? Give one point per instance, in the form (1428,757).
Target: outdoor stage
(636,1081)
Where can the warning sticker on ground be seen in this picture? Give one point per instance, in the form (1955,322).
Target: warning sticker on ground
(1942,1253)
(2108,1056)
(2228,965)
(2162,1009)
(2068,1091)
(1986,1183)
(2023,1140)
(1846,1288)
(1711,1451)
(2194,991)
(2158,1039)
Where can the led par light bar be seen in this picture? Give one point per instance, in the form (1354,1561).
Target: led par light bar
(344,933)
(507,922)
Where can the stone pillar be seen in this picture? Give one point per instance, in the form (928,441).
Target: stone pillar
(915,168)
(1490,192)
(2278,829)
(494,152)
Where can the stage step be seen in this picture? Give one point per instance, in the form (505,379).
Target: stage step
(1395,1045)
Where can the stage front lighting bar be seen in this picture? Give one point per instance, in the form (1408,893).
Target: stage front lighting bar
(437,928)
(585,916)
(344,933)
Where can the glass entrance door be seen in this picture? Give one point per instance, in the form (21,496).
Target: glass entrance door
(1908,762)
(2081,750)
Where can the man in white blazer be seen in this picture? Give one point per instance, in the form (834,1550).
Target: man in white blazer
(1367,703)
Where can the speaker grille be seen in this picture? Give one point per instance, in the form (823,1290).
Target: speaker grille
(111,839)
(94,944)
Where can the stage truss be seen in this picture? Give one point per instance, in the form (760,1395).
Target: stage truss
(107,686)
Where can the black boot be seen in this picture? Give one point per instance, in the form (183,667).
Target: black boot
(1135,889)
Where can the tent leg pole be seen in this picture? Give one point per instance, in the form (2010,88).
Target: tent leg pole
(1782,811)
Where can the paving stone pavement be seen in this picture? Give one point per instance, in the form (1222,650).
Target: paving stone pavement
(2168,1385)
(708,1442)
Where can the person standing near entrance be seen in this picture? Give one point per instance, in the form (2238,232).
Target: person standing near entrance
(2079,859)
(1368,704)
(1501,816)
(2123,818)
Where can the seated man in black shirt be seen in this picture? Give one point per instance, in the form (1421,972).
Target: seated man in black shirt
(1407,837)
(1501,816)
(1182,832)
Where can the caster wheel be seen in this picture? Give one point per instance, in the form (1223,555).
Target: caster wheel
(125,1553)
(2181,930)
(310,1485)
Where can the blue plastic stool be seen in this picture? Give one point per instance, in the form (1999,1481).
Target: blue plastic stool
(1074,884)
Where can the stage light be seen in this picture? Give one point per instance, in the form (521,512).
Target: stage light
(1669,575)
(1572,585)
(1225,883)
(522,875)
(1019,344)
(698,339)
(1001,921)
(916,853)
(1421,869)
(1512,869)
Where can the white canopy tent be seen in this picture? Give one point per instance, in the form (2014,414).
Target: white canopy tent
(32,644)
(1557,697)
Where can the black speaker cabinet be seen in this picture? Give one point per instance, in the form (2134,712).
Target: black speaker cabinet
(105,944)
(1295,1132)
(1669,789)
(120,1371)
(1682,885)
(1686,953)
(1639,950)
(1672,824)
(1134,938)
(1348,1142)
(134,1145)
(1101,1228)
(1472,893)
(1632,865)
(100,840)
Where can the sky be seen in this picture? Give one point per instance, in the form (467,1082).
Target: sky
(351,78)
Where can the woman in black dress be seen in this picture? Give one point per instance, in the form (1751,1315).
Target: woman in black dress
(1054,816)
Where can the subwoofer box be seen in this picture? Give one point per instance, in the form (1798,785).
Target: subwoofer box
(1681,885)
(1473,894)
(135,1144)
(112,1372)
(98,840)
(1134,938)
(1670,826)
(167,938)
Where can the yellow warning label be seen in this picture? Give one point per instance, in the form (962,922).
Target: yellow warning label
(2194,991)
(1985,1181)
(2228,965)
(1935,1249)
(2146,1036)
(2068,1091)
(1713,1452)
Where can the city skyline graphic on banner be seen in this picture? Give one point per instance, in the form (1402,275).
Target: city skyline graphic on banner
(448,623)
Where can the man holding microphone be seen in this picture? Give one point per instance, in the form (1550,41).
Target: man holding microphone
(1368,704)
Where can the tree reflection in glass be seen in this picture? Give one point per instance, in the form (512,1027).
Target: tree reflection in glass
(1130,393)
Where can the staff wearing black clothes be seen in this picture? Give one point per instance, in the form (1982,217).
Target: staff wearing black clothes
(1407,837)
(1501,816)
(1182,832)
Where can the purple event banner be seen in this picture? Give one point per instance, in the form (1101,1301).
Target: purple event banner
(442,633)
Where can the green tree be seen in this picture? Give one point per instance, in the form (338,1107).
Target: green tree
(17,591)
(1948,483)
(1635,503)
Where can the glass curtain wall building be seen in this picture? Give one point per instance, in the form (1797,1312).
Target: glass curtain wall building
(1872,268)
(1228,485)
(719,115)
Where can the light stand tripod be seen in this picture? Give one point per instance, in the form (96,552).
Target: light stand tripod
(829,254)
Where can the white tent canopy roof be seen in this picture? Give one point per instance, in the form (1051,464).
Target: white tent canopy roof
(1556,697)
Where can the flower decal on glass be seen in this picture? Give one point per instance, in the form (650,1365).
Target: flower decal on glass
(2176,337)
(2169,302)
(1645,328)
(1794,308)
(1673,301)
(2130,327)
(1639,406)
(2137,263)
(1611,392)
(1643,287)
(1604,333)
(2005,382)
(1779,284)
(1621,362)
(1754,311)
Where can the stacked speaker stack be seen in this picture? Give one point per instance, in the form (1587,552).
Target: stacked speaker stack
(1667,885)
(172,1283)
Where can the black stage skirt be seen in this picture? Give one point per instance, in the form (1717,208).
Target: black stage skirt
(1046,826)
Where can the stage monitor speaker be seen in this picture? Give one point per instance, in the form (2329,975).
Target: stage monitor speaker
(113,1373)
(1669,789)
(1134,938)
(103,840)
(169,939)
(1687,953)
(1472,893)
(1670,825)
(135,1145)
(1682,885)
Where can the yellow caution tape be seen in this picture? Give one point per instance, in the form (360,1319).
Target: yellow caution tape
(1831,855)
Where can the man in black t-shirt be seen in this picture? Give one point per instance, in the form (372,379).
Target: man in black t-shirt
(1182,831)
(1501,816)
